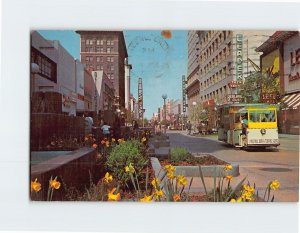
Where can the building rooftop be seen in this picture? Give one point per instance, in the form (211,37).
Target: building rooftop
(272,43)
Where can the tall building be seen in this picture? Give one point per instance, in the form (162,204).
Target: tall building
(128,68)
(106,50)
(192,86)
(218,61)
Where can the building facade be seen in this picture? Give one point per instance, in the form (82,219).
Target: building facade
(106,50)
(54,85)
(281,58)
(128,68)
(192,80)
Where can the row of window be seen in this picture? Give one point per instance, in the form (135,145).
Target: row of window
(98,59)
(218,76)
(99,49)
(99,42)
(217,94)
(99,67)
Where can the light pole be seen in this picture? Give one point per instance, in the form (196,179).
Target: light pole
(164,96)
(194,111)
(143,117)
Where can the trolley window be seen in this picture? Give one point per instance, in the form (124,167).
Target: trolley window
(262,116)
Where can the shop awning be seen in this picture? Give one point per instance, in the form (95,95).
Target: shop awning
(291,101)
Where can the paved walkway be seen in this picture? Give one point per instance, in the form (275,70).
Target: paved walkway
(260,167)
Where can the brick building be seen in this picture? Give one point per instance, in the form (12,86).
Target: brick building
(106,50)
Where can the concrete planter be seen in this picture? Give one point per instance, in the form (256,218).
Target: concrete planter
(193,171)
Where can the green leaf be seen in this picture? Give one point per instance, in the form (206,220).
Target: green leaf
(202,179)
(239,185)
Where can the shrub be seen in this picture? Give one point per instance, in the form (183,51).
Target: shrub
(122,155)
(180,154)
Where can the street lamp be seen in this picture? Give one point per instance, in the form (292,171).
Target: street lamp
(143,117)
(95,97)
(194,111)
(164,96)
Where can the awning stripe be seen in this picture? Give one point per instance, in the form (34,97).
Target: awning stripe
(292,101)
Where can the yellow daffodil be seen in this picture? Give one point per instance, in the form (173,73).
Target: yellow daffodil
(108,178)
(35,186)
(112,196)
(228,167)
(274,184)
(144,139)
(176,197)
(107,143)
(113,140)
(54,183)
(248,188)
(232,200)
(181,180)
(121,140)
(94,146)
(169,168)
(158,194)
(146,198)
(170,175)
(229,178)
(155,182)
(129,169)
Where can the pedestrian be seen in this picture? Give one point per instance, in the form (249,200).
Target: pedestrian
(189,127)
(105,130)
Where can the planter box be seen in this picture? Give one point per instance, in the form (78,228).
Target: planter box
(193,171)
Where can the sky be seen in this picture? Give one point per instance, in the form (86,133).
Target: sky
(159,61)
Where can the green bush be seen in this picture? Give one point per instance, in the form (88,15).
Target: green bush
(122,155)
(180,154)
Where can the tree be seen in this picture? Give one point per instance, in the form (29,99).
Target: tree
(257,83)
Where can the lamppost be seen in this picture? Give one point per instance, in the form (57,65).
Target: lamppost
(194,111)
(164,96)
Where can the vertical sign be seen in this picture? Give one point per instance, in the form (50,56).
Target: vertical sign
(158,115)
(140,99)
(239,57)
(183,94)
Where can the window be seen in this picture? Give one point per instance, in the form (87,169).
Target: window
(108,42)
(108,59)
(101,67)
(97,42)
(108,50)
(101,42)
(98,59)
(262,116)
(112,59)
(101,50)
(97,49)
(87,42)
(111,42)
(98,67)
(48,68)
(112,68)
(87,58)
(91,42)
(101,59)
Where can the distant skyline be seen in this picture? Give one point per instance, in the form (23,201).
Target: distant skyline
(159,61)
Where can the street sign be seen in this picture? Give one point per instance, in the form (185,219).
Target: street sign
(234,98)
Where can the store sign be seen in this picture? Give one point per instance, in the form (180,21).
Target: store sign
(235,84)
(270,98)
(234,98)
(183,94)
(294,77)
(239,57)
(295,57)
